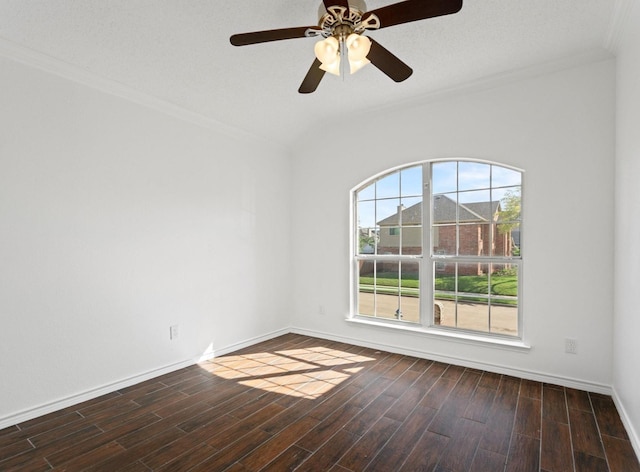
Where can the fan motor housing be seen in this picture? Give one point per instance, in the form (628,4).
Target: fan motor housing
(337,21)
(355,4)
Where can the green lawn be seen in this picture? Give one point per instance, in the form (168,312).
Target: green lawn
(504,285)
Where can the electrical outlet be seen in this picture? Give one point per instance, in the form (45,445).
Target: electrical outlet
(173,332)
(570,346)
(321,310)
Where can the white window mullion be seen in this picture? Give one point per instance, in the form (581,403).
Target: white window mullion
(427,272)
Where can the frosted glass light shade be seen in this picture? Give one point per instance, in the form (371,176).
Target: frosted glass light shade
(355,66)
(333,67)
(328,53)
(358,47)
(327,50)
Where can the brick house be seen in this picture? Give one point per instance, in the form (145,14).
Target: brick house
(478,232)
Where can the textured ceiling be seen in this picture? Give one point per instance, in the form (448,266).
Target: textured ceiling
(179,52)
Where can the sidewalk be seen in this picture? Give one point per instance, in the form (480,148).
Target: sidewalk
(473,316)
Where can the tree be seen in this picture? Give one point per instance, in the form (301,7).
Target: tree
(509,215)
(367,240)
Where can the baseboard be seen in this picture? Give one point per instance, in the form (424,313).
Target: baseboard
(496,368)
(35,412)
(44,409)
(634,437)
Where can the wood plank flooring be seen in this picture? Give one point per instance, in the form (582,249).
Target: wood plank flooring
(302,403)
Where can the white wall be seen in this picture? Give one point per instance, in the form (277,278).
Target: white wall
(626,348)
(559,128)
(117,221)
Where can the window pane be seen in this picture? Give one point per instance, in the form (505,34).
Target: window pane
(412,240)
(444,239)
(463,293)
(508,228)
(410,291)
(366,227)
(509,199)
(478,202)
(388,186)
(473,315)
(411,182)
(473,175)
(474,240)
(366,214)
(444,177)
(445,208)
(444,294)
(387,211)
(507,240)
(387,285)
(367,193)
(503,177)
(388,215)
(504,299)
(390,237)
(366,297)
(411,220)
(412,210)
(472,278)
(512,233)
(504,319)
(501,192)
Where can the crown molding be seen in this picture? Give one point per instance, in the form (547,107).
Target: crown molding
(65,70)
(621,11)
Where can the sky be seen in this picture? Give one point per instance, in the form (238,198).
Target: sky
(465,181)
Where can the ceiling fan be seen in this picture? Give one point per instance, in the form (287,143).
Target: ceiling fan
(342,26)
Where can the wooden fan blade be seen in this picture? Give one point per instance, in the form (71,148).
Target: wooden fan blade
(336,3)
(413,10)
(388,63)
(312,79)
(256,37)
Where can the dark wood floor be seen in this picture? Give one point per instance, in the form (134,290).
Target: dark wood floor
(315,405)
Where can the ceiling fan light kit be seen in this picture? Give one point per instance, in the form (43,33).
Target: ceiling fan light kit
(330,51)
(342,27)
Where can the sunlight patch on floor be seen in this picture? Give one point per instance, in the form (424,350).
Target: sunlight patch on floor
(303,372)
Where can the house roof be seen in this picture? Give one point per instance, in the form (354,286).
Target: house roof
(444,211)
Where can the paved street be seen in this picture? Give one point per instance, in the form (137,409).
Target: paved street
(474,316)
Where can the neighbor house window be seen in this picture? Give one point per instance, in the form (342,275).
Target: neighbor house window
(437,245)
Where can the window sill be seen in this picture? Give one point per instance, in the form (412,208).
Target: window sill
(466,338)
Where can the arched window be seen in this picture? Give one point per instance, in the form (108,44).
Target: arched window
(438,245)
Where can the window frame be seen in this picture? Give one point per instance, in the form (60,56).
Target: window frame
(428,260)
